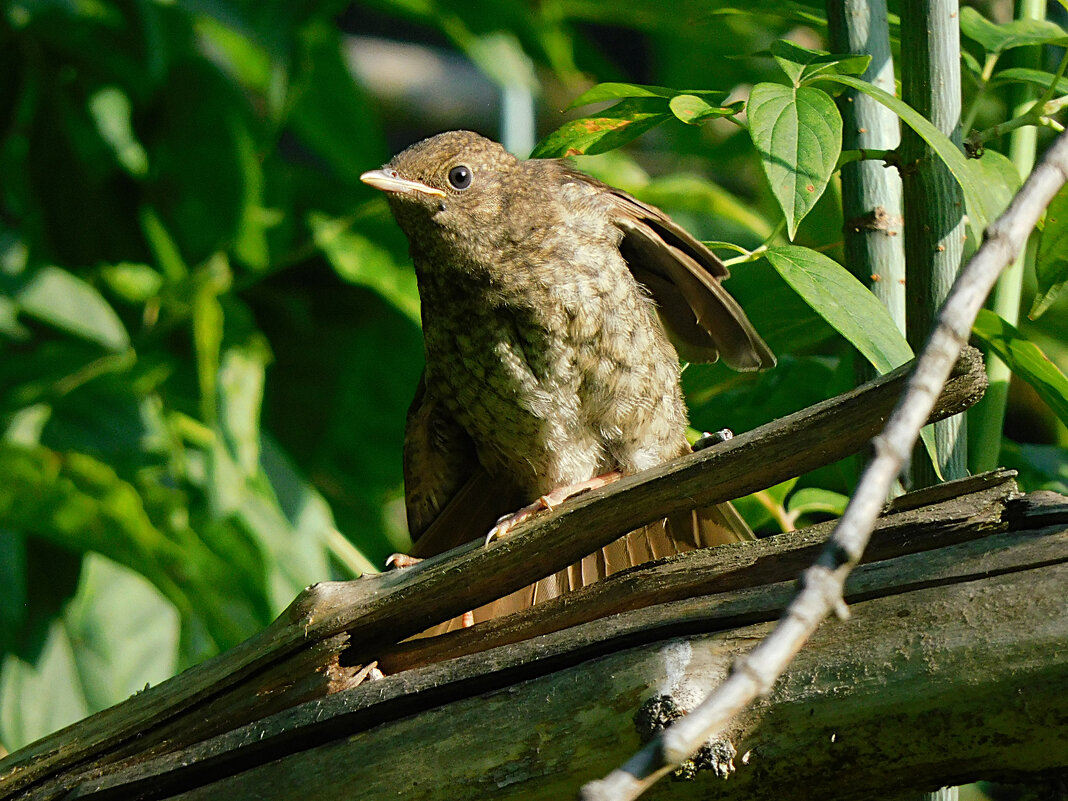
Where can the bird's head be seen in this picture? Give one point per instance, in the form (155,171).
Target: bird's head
(447,189)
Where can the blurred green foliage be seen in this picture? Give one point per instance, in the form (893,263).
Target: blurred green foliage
(209,328)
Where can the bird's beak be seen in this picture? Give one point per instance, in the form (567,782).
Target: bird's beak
(390,181)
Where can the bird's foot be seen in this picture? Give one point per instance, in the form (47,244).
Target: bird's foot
(399,560)
(549,501)
(707,440)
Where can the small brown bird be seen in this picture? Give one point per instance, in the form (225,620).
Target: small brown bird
(550,302)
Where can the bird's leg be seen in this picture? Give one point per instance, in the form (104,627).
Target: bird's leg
(549,501)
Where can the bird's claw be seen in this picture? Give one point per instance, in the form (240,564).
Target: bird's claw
(506,523)
(399,560)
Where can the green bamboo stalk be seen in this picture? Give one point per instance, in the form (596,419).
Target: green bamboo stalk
(934,203)
(871,192)
(988,418)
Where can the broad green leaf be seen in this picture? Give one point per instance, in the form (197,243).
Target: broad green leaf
(307,511)
(81,504)
(116,635)
(133,282)
(359,260)
(604,92)
(974,193)
(55,296)
(1025,359)
(995,38)
(605,130)
(693,110)
(800,63)
(844,302)
(813,499)
(851,309)
(1051,261)
(125,633)
(999,176)
(1038,78)
(110,109)
(37,699)
(798,134)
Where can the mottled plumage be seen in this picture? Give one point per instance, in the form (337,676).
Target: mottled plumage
(545,295)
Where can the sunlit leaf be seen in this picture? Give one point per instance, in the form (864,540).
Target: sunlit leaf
(110,108)
(55,296)
(603,92)
(693,110)
(1019,33)
(605,130)
(798,134)
(133,282)
(843,302)
(1037,78)
(117,635)
(359,260)
(800,63)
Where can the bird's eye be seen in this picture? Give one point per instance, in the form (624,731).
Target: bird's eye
(460,177)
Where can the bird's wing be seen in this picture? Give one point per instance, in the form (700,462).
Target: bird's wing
(684,276)
(449,497)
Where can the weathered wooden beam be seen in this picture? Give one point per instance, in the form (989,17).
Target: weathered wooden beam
(295,658)
(965,641)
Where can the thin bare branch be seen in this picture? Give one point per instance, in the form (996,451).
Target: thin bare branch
(821,585)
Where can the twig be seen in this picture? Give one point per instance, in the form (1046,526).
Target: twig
(822,584)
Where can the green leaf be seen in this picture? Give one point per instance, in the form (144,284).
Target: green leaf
(800,63)
(1051,261)
(55,296)
(110,109)
(116,635)
(974,193)
(1000,178)
(604,92)
(51,681)
(1038,78)
(995,38)
(359,260)
(133,282)
(693,110)
(605,130)
(812,499)
(844,302)
(851,309)
(1025,359)
(124,631)
(798,133)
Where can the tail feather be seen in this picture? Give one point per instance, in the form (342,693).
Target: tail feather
(701,528)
